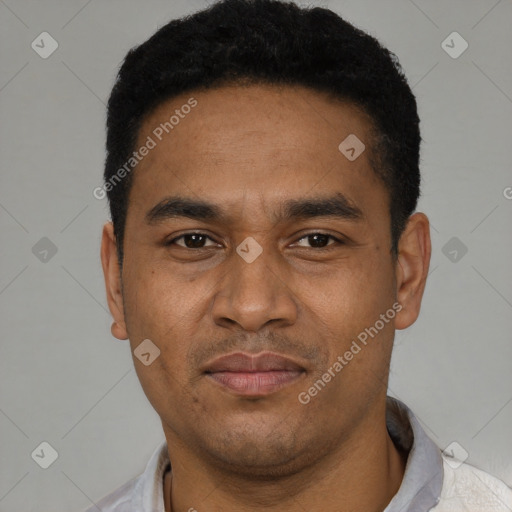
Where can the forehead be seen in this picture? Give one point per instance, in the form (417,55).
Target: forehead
(258,142)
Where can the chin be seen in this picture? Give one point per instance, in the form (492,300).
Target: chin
(259,451)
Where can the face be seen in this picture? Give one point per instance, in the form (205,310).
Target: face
(250,233)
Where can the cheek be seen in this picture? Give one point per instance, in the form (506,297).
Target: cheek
(357,290)
(350,302)
(156,294)
(152,312)
(161,384)
(157,310)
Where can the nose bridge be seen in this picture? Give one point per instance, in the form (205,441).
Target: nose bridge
(252,268)
(253,284)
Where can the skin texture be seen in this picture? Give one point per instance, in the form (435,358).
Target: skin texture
(248,149)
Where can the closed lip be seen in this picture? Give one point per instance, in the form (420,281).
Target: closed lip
(248,363)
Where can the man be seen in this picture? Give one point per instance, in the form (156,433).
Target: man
(262,173)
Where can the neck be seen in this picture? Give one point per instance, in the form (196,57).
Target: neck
(364,474)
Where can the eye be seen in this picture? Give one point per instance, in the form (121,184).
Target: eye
(197,240)
(319,240)
(191,240)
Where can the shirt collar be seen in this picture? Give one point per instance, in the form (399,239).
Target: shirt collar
(423,478)
(420,488)
(148,494)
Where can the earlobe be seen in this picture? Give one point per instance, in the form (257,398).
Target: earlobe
(111,274)
(118,331)
(414,250)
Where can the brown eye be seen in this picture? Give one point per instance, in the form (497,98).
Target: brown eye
(318,240)
(191,240)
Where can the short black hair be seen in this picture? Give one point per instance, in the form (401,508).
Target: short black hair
(272,42)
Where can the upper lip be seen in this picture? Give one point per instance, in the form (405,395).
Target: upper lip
(243,362)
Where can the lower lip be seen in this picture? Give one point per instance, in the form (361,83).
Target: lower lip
(256,383)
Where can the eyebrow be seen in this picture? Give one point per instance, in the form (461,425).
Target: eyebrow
(337,206)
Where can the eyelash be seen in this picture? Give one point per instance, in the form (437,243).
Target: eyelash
(337,240)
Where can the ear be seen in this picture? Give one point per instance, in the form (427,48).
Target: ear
(112,275)
(414,250)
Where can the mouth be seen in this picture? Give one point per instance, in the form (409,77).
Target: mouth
(253,375)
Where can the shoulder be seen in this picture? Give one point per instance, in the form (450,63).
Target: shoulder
(467,488)
(119,500)
(140,494)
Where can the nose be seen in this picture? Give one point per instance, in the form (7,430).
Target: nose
(253,295)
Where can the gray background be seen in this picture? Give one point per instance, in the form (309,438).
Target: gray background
(64,378)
